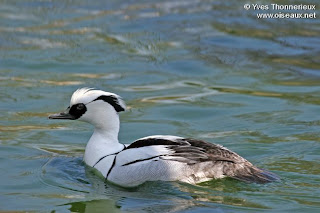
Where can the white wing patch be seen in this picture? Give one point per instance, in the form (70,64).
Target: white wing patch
(138,154)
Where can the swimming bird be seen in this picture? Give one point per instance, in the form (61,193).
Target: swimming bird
(152,158)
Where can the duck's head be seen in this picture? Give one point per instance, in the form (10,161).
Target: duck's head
(93,106)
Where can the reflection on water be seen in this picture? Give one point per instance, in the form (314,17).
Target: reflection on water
(93,206)
(204,69)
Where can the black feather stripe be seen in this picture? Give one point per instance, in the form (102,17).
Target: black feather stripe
(112,100)
(153,142)
(103,157)
(140,160)
(113,164)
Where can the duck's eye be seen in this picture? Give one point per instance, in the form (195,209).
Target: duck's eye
(80,107)
(77,110)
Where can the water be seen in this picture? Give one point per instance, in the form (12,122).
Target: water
(203,69)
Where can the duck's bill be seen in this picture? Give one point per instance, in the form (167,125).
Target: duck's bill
(62,115)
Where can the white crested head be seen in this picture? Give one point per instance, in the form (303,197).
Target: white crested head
(100,109)
(97,107)
(86,95)
(94,106)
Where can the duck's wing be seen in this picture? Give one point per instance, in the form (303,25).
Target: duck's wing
(193,152)
(186,150)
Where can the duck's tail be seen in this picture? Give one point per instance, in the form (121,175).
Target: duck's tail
(254,174)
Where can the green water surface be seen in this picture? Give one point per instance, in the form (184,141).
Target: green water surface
(202,69)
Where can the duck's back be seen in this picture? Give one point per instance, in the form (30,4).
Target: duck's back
(171,158)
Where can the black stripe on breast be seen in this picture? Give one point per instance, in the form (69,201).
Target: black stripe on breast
(113,164)
(153,142)
(113,101)
(103,157)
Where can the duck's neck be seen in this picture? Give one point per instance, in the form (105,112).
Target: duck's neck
(104,141)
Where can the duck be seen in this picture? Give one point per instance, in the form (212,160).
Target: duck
(151,158)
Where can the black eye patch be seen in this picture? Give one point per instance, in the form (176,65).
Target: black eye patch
(77,110)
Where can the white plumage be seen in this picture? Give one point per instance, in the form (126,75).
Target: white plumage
(158,157)
(86,95)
